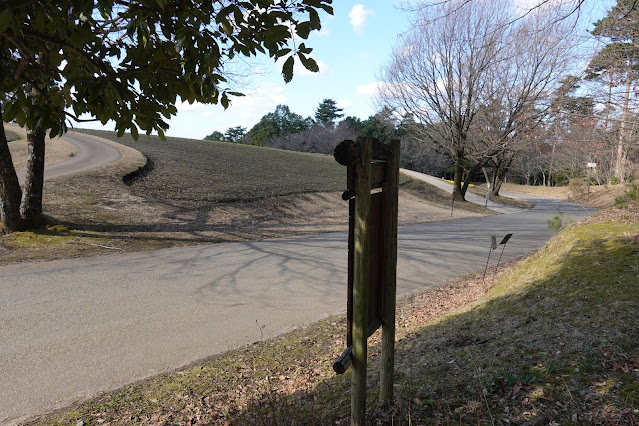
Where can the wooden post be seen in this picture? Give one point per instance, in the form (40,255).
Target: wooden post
(390,190)
(361,280)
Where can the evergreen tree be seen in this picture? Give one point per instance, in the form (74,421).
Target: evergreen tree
(234,134)
(327,112)
(617,64)
(215,136)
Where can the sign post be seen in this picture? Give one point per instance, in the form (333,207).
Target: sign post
(591,166)
(372,262)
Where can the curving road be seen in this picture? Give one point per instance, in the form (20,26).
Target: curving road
(72,328)
(91,155)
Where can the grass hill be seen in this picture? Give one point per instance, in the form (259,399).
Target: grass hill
(552,340)
(207,171)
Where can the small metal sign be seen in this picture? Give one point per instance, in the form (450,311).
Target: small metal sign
(493,246)
(592,165)
(506,238)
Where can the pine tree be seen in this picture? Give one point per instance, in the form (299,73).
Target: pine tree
(327,112)
(617,64)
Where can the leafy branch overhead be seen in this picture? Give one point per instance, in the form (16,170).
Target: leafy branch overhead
(130,61)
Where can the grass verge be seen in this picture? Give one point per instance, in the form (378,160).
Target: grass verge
(481,190)
(552,340)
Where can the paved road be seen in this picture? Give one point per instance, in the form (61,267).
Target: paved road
(473,198)
(91,154)
(72,328)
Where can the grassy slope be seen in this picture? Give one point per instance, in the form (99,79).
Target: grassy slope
(553,340)
(228,173)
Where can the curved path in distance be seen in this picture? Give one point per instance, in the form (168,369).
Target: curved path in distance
(91,154)
(70,329)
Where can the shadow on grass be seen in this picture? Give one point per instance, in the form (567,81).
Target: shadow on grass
(565,350)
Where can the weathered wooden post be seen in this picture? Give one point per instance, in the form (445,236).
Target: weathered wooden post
(361,270)
(372,262)
(390,190)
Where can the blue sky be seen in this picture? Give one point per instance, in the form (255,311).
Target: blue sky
(350,49)
(352,46)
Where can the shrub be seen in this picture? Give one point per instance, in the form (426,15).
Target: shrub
(556,223)
(630,197)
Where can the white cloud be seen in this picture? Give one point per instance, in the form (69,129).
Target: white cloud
(371,89)
(256,103)
(195,106)
(344,103)
(358,16)
(198,120)
(323,32)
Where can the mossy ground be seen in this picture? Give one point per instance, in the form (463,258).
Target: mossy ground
(552,340)
(53,241)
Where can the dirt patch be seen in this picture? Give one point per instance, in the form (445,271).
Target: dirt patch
(597,195)
(57,149)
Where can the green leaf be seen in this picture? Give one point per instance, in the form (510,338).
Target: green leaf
(130,28)
(287,69)
(309,63)
(314,19)
(276,34)
(134,132)
(5,20)
(226,26)
(282,52)
(305,50)
(304,29)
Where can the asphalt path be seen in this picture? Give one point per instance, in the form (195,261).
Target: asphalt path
(70,329)
(91,154)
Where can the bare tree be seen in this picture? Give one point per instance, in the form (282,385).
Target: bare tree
(319,139)
(534,62)
(438,74)
(475,80)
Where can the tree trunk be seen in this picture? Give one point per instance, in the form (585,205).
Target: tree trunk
(619,162)
(31,207)
(458,174)
(500,173)
(458,177)
(552,160)
(471,172)
(10,192)
(486,176)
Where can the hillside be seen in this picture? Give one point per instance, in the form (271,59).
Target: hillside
(207,171)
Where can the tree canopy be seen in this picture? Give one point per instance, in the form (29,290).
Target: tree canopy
(617,64)
(471,75)
(276,123)
(131,61)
